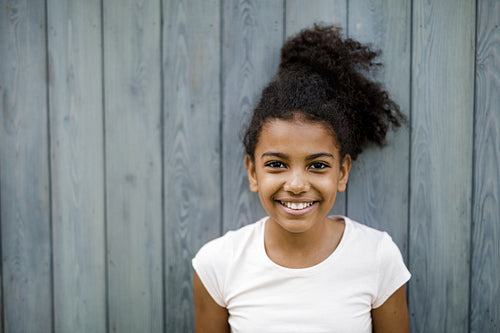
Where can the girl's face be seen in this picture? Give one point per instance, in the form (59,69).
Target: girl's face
(297,172)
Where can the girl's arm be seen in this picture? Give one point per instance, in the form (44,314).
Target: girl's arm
(392,316)
(208,315)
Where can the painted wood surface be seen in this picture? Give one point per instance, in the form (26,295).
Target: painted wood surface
(132,89)
(378,185)
(24,169)
(299,17)
(75,100)
(114,174)
(192,115)
(485,281)
(441,164)
(249,61)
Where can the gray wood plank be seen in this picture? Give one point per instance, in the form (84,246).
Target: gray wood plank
(300,16)
(441,164)
(378,189)
(75,98)
(133,165)
(485,268)
(24,169)
(191,146)
(1,279)
(252,39)
(1,284)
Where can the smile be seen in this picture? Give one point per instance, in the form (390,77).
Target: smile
(297,205)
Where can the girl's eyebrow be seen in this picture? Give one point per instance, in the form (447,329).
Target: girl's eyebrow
(318,155)
(308,158)
(270,153)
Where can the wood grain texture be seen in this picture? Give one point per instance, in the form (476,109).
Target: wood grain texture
(441,164)
(24,171)
(485,269)
(1,284)
(196,121)
(378,184)
(191,52)
(75,99)
(252,38)
(133,165)
(299,17)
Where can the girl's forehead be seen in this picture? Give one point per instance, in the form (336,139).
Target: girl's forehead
(297,134)
(298,126)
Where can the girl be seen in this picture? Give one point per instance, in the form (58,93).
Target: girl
(299,270)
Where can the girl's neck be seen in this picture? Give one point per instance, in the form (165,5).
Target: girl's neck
(301,250)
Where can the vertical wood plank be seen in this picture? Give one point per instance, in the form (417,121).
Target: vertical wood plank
(133,165)
(191,146)
(441,164)
(252,38)
(378,189)
(300,16)
(1,271)
(75,100)
(24,171)
(1,283)
(485,293)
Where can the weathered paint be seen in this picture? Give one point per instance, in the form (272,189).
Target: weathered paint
(120,154)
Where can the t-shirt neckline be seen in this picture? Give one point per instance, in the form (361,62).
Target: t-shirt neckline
(305,270)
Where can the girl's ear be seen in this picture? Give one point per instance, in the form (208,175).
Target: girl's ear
(252,177)
(345,167)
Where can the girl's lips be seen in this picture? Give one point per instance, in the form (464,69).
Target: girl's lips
(297,208)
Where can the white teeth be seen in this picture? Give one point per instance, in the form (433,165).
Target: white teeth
(295,205)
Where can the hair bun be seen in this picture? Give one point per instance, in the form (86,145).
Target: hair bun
(328,78)
(323,50)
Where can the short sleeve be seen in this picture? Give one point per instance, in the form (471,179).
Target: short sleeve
(391,270)
(210,264)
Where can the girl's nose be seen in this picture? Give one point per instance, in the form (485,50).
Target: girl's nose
(297,183)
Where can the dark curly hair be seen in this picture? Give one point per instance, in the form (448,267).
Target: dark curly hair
(323,77)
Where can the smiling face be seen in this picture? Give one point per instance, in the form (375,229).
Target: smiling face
(297,171)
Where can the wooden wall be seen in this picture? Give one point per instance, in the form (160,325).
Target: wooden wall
(120,152)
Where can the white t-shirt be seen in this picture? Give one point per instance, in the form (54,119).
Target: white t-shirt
(336,295)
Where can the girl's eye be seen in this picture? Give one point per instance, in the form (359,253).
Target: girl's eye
(275,165)
(318,165)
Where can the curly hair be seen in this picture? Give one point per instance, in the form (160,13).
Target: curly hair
(323,77)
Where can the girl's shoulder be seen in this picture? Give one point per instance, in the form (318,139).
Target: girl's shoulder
(233,240)
(363,237)
(377,246)
(361,230)
(217,257)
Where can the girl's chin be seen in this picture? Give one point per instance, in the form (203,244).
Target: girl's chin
(293,226)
